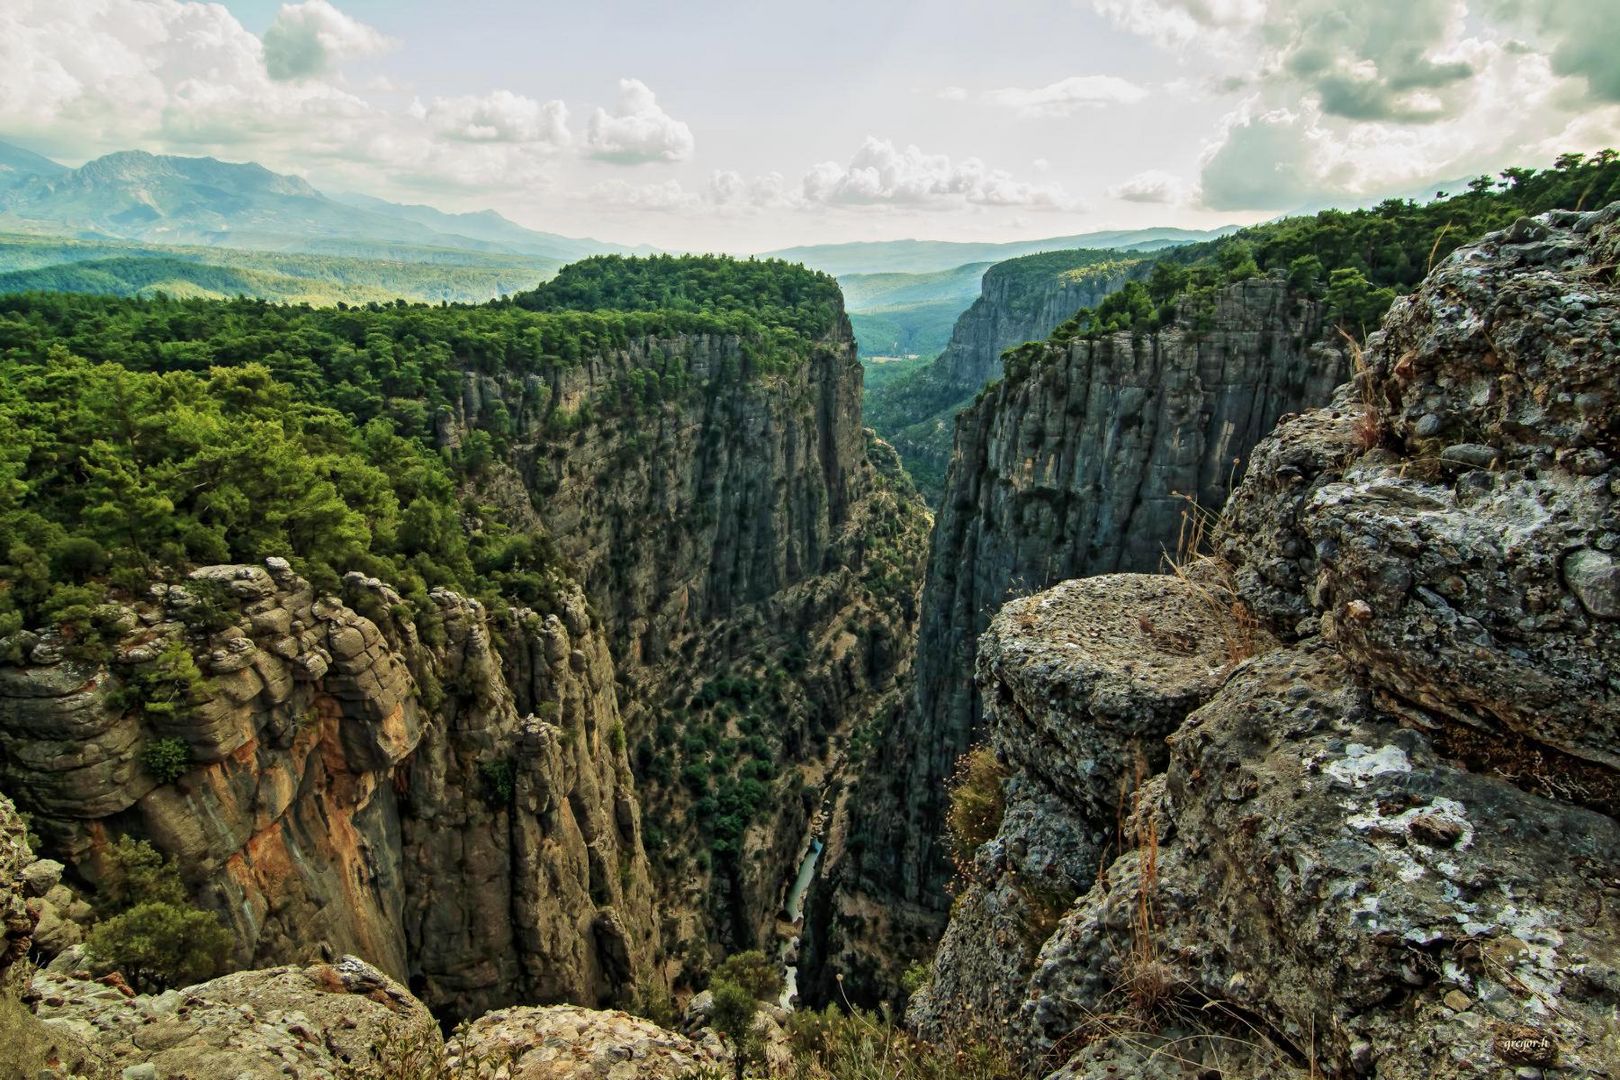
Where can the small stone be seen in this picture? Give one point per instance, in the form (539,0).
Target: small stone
(1476,455)
(1435,831)
(1594,578)
(1428,426)
(1457,1001)
(145,1071)
(1359,610)
(41,876)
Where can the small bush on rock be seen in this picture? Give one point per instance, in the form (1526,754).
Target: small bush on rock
(977,804)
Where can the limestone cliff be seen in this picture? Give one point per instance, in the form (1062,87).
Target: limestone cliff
(1082,463)
(350,786)
(1383,841)
(1020,300)
(756,559)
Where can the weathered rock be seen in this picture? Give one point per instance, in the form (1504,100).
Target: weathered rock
(1326,875)
(562,1042)
(1387,848)
(16,921)
(461,844)
(326,1021)
(1488,595)
(1081,685)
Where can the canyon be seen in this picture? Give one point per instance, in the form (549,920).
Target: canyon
(1281,659)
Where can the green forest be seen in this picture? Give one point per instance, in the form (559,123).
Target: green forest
(120,268)
(1357,261)
(147,434)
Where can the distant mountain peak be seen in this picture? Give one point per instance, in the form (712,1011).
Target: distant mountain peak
(140,196)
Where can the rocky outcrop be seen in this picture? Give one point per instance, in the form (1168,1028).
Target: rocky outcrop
(353,783)
(328,1021)
(16,921)
(1383,844)
(564,1042)
(1087,462)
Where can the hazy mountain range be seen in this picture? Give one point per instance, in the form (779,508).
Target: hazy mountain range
(931,256)
(134,223)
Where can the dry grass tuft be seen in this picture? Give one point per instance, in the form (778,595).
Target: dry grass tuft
(977,805)
(1211,580)
(1369,430)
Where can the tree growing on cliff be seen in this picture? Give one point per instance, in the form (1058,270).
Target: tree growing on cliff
(148,929)
(739,984)
(736,1018)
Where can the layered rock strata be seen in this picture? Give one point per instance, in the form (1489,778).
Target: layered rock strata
(351,787)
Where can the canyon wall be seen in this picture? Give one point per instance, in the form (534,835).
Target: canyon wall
(1020,300)
(1338,801)
(1087,461)
(450,794)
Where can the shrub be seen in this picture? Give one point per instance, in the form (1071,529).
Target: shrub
(147,928)
(166,759)
(754,972)
(977,803)
(499,779)
(735,1016)
(158,945)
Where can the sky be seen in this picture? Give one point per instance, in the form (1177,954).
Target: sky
(745,125)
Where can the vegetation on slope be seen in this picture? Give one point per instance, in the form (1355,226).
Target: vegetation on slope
(1358,261)
(153,434)
(118,268)
(781,297)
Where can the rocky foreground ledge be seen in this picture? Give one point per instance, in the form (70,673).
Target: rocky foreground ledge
(1383,840)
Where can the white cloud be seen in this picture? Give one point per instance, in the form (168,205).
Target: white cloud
(882,174)
(1359,100)
(953,93)
(1179,22)
(1067,96)
(500,116)
(312,38)
(619,194)
(770,191)
(638,130)
(1152,186)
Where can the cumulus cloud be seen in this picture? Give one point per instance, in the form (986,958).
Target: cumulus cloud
(500,116)
(1386,95)
(1067,96)
(619,194)
(312,38)
(638,130)
(881,173)
(1152,186)
(1579,35)
(186,77)
(769,191)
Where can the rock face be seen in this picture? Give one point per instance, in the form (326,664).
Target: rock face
(1020,300)
(354,788)
(1383,844)
(748,519)
(326,1021)
(1082,464)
